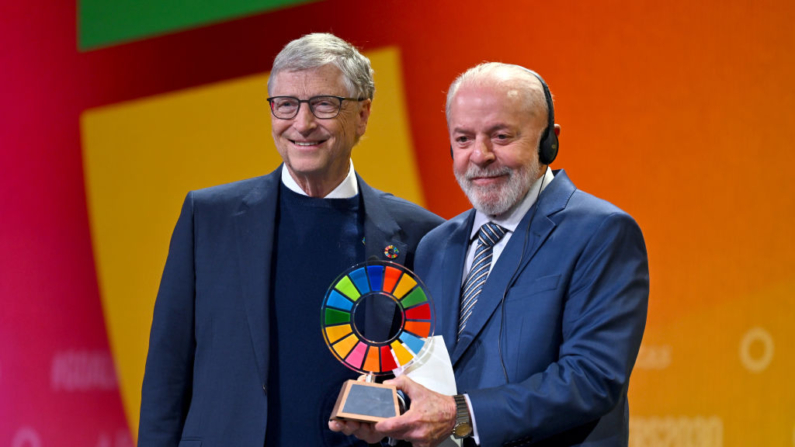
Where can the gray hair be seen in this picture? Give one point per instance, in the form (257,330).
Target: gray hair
(318,49)
(495,73)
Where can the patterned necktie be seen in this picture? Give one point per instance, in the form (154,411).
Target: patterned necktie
(489,234)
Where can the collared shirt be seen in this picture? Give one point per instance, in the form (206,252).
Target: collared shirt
(510,220)
(345,190)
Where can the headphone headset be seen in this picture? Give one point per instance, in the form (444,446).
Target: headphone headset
(548,145)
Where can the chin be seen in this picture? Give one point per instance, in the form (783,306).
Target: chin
(497,199)
(491,203)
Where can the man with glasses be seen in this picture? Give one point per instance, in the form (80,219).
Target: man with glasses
(236,355)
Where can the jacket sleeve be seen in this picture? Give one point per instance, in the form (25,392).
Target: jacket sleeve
(166,393)
(603,320)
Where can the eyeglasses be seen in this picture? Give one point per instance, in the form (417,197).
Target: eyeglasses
(323,107)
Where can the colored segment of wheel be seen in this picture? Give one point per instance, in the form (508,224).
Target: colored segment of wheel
(398,314)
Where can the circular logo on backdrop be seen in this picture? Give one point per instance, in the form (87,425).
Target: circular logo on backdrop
(760,363)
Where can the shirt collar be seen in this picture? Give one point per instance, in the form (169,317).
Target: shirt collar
(511,218)
(345,190)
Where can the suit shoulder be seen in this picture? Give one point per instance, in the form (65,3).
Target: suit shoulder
(588,204)
(588,214)
(444,230)
(230,190)
(230,193)
(403,210)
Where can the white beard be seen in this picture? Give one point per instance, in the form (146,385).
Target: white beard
(494,200)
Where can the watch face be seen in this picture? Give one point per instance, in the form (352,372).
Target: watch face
(462,430)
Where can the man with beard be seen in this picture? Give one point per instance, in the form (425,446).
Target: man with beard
(542,289)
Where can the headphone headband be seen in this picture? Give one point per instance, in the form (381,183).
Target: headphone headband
(548,145)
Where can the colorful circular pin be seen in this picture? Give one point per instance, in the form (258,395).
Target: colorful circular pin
(391,252)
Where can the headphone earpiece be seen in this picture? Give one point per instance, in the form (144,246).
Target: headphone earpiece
(548,145)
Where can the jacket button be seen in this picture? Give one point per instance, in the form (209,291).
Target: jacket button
(265,387)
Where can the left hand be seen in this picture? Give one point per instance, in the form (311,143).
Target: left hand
(428,422)
(361,430)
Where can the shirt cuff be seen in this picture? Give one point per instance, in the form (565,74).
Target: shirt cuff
(475,436)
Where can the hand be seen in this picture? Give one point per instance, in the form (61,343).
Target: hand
(361,430)
(428,422)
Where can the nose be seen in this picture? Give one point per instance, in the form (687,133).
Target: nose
(482,153)
(304,121)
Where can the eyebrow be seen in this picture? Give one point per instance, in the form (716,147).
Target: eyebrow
(491,129)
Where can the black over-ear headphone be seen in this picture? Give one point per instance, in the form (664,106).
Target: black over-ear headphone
(548,145)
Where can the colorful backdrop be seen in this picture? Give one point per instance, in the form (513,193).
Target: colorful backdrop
(682,113)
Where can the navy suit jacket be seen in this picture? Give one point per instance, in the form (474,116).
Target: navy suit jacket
(563,309)
(207,369)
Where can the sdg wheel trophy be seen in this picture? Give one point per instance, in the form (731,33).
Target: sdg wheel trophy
(376,318)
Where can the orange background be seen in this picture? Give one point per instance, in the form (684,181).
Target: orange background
(681,113)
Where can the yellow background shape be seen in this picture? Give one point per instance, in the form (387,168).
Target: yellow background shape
(142,157)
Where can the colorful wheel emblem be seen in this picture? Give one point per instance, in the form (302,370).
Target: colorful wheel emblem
(377,317)
(391,252)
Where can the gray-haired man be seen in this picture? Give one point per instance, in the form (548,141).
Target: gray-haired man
(236,357)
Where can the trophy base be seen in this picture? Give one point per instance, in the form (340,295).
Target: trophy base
(366,402)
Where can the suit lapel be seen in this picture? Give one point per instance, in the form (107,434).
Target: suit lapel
(452,273)
(381,231)
(255,221)
(516,256)
(553,200)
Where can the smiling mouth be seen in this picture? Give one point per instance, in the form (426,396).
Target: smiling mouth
(486,178)
(478,175)
(307,143)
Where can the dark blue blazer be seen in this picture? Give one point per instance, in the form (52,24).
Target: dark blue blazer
(563,310)
(207,369)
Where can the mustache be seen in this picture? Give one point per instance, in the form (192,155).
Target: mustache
(474,171)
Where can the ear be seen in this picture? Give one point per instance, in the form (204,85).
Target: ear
(363,116)
(557,130)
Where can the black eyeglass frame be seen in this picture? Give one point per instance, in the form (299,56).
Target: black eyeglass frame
(309,104)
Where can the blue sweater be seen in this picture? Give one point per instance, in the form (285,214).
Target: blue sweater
(316,240)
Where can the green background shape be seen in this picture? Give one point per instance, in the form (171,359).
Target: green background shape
(103,23)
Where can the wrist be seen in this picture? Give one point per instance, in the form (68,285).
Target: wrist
(463,420)
(452,412)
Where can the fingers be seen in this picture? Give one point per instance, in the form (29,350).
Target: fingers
(409,428)
(430,419)
(404,384)
(425,424)
(347,427)
(361,430)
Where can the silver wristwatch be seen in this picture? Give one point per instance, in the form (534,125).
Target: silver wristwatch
(463,421)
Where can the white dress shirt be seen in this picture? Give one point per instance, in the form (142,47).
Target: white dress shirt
(345,190)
